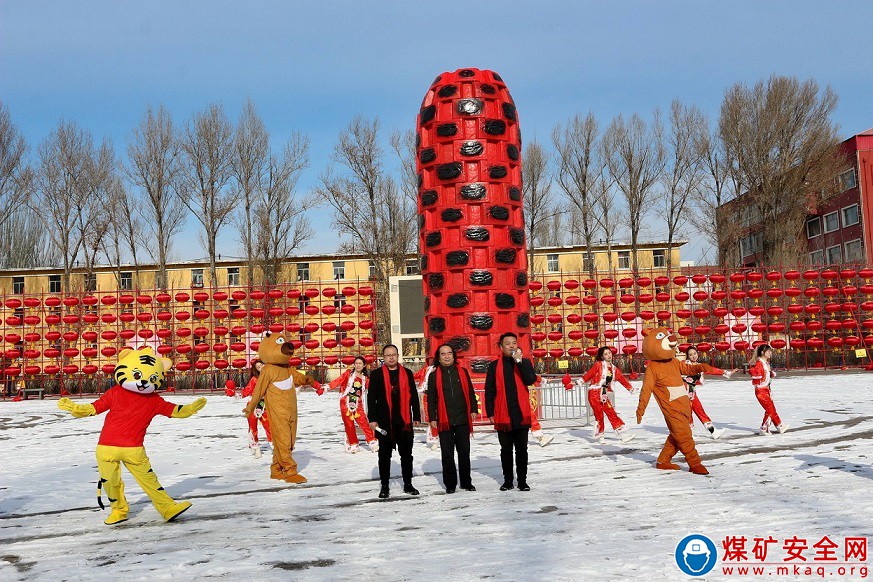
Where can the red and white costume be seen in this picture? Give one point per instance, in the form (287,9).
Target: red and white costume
(351,385)
(694,381)
(761,376)
(258,413)
(600,378)
(420,377)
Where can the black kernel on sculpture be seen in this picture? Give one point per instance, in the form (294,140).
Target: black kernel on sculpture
(420,221)
(417,140)
(447,91)
(427,155)
(481,278)
(433,238)
(436,325)
(426,305)
(505,256)
(499,212)
(458,300)
(504,301)
(521,279)
(470,106)
(497,77)
(477,233)
(515,194)
(428,197)
(449,171)
(509,111)
(516,236)
(466,73)
(512,152)
(457,258)
(427,114)
(446,129)
(523,320)
(460,343)
(487,89)
(481,321)
(471,148)
(420,180)
(436,281)
(479,365)
(452,215)
(497,172)
(473,191)
(423,262)
(437,80)
(495,127)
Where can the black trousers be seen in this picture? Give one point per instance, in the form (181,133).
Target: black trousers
(516,439)
(403,441)
(456,438)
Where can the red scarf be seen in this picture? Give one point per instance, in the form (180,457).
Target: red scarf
(443,412)
(404,397)
(501,410)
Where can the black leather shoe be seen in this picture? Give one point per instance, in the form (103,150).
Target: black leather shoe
(507,487)
(468,488)
(522,486)
(450,490)
(383,493)
(410,489)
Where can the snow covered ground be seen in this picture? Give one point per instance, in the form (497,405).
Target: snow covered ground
(595,512)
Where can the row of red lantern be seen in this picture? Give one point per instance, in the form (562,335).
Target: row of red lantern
(700,296)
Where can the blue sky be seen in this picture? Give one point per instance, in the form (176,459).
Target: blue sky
(313,66)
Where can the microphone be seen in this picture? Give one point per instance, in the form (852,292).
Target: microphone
(381,431)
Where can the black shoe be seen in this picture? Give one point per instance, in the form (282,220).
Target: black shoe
(522,486)
(507,486)
(468,488)
(450,489)
(408,488)
(383,493)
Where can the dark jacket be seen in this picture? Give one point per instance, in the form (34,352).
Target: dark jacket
(456,405)
(377,405)
(528,377)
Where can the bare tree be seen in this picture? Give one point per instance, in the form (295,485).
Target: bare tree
(153,167)
(605,215)
(96,217)
(578,168)
(783,147)
(368,208)
(23,241)
(250,164)
(684,172)
(536,188)
(634,153)
(280,225)
(14,175)
(207,153)
(125,237)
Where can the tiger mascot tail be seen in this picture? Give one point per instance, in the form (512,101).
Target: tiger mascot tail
(132,404)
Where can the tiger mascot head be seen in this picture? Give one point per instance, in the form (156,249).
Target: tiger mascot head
(659,344)
(141,371)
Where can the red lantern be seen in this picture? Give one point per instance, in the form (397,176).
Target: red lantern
(539,353)
(629,350)
(556,352)
(571,284)
(589,284)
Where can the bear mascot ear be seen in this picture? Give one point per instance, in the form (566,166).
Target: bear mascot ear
(646,332)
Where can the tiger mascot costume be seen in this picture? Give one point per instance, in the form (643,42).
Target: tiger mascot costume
(132,404)
(276,387)
(663,378)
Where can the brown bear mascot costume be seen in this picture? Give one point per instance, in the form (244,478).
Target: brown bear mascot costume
(276,385)
(664,378)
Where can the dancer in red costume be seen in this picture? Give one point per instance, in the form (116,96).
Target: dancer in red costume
(599,380)
(352,384)
(762,374)
(693,381)
(258,414)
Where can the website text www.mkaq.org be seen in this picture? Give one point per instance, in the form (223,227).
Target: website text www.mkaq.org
(856,571)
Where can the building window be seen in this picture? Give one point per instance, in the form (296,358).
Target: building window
(816,258)
(751,244)
(54,283)
(233,276)
(125,280)
(552,263)
(412,267)
(588,261)
(303,271)
(339,269)
(848,180)
(624,259)
(371,270)
(197,277)
(813,227)
(854,251)
(90,281)
(833,255)
(850,215)
(18,285)
(659,258)
(831,222)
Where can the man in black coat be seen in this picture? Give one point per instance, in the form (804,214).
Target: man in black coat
(450,390)
(393,409)
(507,403)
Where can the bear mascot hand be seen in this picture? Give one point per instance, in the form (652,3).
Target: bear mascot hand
(77,410)
(189,409)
